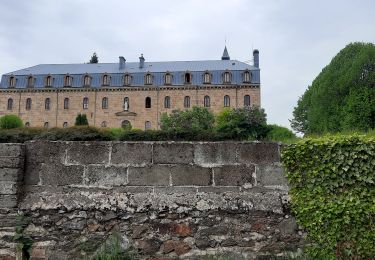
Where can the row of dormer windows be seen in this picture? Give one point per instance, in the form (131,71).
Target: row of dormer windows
(126,104)
(104,124)
(127,79)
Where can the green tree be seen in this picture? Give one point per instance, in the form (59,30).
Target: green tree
(10,121)
(81,119)
(243,123)
(342,96)
(195,119)
(94,58)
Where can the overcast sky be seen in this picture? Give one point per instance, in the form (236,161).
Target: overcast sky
(296,38)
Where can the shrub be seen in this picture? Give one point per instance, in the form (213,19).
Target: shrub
(81,119)
(332,193)
(10,122)
(280,134)
(76,133)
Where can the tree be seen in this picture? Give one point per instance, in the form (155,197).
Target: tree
(10,121)
(81,120)
(342,97)
(94,58)
(243,123)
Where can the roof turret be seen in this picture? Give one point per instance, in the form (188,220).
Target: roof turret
(225,54)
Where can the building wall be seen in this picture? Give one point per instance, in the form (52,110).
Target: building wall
(57,115)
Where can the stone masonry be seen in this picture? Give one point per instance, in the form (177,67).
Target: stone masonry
(165,200)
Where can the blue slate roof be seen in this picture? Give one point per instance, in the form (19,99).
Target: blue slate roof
(157,69)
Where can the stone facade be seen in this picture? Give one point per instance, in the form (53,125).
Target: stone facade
(164,200)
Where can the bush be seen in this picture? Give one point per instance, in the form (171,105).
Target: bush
(10,122)
(81,120)
(332,193)
(76,133)
(280,134)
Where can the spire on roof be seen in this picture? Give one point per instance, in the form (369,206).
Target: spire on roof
(225,54)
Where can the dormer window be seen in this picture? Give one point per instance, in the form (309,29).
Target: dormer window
(168,79)
(148,79)
(227,77)
(30,82)
(246,76)
(127,79)
(206,78)
(49,81)
(12,82)
(68,81)
(106,80)
(187,78)
(86,81)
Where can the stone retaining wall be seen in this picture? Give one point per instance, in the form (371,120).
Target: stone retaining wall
(163,199)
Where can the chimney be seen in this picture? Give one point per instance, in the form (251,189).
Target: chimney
(121,63)
(141,61)
(256,58)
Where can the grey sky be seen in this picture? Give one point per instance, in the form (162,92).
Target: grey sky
(296,39)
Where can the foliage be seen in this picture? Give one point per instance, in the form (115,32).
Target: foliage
(81,119)
(94,58)
(10,121)
(333,194)
(19,135)
(342,97)
(113,250)
(24,242)
(243,123)
(280,134)
(195,119)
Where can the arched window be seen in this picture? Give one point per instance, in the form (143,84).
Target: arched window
(206,78)
(10,104)
(168,79)
(187,78)
(12,82)
(68,81)
(127,80)
(186,102)
(167,102)
(104,124)
(226,101)
(126,104)
(206,101)
(47,104)
(49,81)
(125,124)
(227,77)
(66,103)
(86,81)
(105,103)
(246,100)
(65,124)
(106,80)
(148,79)
(46,124)
(85,103)
(28,103)
(147,125)
(246,76)
(27,124)
(148,102)
(30,82)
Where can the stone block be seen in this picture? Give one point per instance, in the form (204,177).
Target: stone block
(191,175)
(154,175)
(88,153)
(11,174)
(218,153)
(32,173)
(45,151)
(8,201)
(288,226)
(175,190)
(234,175)
(58,174)
(271,175)
(11,150)
(131,153)
(173,153)
(258,153)
(221,189)
(8,187)
(11,162)
(106,176)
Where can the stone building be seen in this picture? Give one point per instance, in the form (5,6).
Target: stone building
(136,93)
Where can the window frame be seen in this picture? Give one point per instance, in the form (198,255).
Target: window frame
(187,102)
(49,81)
(105,103)
(30,81)
(85,103)
(148,102)
(66,103)
(28,103)
(106,80)
(167,102)
(190,77)
(125,81)
(247,101)
(68,80)
(168,78)
(148,125)
(47,104)
(12,81)
(225,79)
(10,104)
(87,80)
(226,101)
(207,101)
(209,75)
(247,75)
(148,80)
